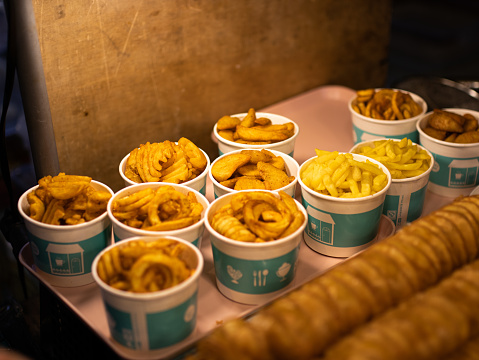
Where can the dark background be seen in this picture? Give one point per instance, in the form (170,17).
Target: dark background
(430,40)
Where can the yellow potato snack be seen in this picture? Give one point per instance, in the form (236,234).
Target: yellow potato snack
(251,169)
(163,209)
(402,158)
(385,104)
(66,200)
(339,175)
(252,130)
(451,127)
(145,266)
(165,162)
(258,216)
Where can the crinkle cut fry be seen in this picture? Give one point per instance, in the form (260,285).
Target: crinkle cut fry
(445,236)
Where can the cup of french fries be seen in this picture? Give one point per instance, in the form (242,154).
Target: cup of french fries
(410,166)
(255,238)
(158,209)
(452,137)
(250,169)
(344,195)
(255,130)
(181,162)
(149,287)
(67,226)
(385,113)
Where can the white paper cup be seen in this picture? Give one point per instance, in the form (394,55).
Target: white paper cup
(253,273)
(192,233)
(405,198)
(155,320)
(291,167)
(198,183)
(341,227)
(63,254)
(285,146)
(456,168)
(366,128)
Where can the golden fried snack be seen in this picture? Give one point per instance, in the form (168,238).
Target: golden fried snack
(385,104)
(257,216)
(66,200)
(451,127)
(163,209)
(142,266)
(165,162)
(225,167)
(273,177)
(252,130)
(395,300)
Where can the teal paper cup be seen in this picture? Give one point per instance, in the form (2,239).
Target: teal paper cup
(63,254)
(253,273)
(153,320)
(341,227)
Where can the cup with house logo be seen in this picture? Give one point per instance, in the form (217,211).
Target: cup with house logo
(64,252)
(343,213)
(456,168)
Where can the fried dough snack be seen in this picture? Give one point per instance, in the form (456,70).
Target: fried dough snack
(145,266)
(165,162)
(66,200)
(163,209)
(385,104)
(251,169)
(451,127)
(258,216)
(413,295)
(253,131)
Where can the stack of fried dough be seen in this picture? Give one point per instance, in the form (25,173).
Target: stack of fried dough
(414,295)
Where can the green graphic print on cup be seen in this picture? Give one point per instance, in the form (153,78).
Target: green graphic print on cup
(361,135)
(402,209)
(67,259)
(455,173)
(164,328)
(342,230)
(255,276)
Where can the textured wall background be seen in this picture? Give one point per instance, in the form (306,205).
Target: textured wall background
(121,73)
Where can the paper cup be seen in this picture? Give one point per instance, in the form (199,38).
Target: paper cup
(366,128)
(198,183)
(192,234)
(341,227)
(456,168)
(155,320)
(291,166)
(253,273)
(405,198)
(63,254)
(285,146)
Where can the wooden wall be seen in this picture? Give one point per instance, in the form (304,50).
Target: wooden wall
(119,73)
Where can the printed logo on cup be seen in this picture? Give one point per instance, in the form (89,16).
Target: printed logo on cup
(455,173)
(162,328)
(255,276)
(405,208)
(67,259)
(342,230)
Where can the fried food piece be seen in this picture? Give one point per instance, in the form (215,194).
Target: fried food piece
(249,120)
(37,207)
(225,167)
(273,177)
(231,227)
(445,121)
(258,134)
(257,156)
(468,137)
(435,133)
(471,123)
(248,183)
(227,134)
(227,123)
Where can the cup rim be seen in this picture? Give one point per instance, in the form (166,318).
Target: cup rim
(415,97)
(122,165)
(26,217)
(254,245)
(149,233)
(380,193)
(276,152)
(410,179)
(255,147)
(425,117)
(155,294)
